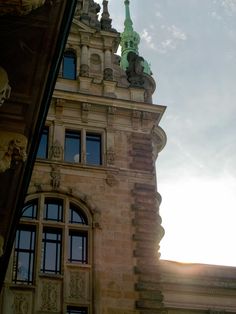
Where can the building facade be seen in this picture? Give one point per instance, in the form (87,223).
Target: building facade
(90,229)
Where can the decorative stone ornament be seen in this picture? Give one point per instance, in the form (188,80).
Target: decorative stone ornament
(5,89)
(12,149)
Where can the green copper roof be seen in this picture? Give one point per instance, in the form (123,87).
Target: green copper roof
(130,41)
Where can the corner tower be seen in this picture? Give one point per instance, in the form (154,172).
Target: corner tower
(92,209)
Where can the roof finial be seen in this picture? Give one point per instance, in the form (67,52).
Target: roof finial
(105,19)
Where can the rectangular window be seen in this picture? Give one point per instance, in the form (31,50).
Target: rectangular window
(93,149)
(24,255)
(53,209)
(69,66)
(51,251)
(43,145)
(72,146)
(78,247)
(76,310)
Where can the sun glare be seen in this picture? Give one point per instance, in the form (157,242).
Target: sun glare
(199,221)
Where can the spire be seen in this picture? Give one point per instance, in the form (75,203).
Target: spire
(129,38)
(130,41)
(128,22)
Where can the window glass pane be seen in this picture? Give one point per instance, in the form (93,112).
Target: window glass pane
(78,247)
(53,209)
(51,251)
(69,66)
(24,255)
(93,149)
(24,239)
(30,210)
(77,310)
(77,216)
(72,146)
(43,145)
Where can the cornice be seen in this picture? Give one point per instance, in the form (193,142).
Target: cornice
(108,102)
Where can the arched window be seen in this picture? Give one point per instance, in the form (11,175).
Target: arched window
(30,210)
(60,229)
(69,65)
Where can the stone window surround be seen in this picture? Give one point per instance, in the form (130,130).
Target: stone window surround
(39,224)
(83,131)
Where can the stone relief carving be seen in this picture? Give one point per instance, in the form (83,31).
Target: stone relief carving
(23,7)
(108,74)
(56,177)
(111,156)
(21,304)
(12,150)
(49,296)
(84,70)
(5,89)
(85,110)
(111,179)
(56,151)
(77,286)
(135,70)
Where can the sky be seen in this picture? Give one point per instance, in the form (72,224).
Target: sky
(191,46)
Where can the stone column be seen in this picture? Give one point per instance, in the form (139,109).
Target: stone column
(108,72)
(84,67)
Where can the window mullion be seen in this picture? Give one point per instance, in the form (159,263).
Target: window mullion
(83,146)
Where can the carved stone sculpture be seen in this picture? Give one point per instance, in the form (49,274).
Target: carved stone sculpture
(5,89)
(56,177)
(110,156)
(108,74)
(56,151)
(135,70)
(12,150)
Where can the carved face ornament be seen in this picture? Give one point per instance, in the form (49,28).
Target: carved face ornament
(5,89)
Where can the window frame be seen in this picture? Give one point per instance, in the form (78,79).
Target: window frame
(31,251)
(77,310)
(58,242)
(46,148)
(70,55)
(83,235)
(83,145)
(75,132)
(67,229)
(54,201)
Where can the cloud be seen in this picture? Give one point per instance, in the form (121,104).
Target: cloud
(177,33)
(158,14)
(216,16)
(229,6)
(167,39)
(147,37)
